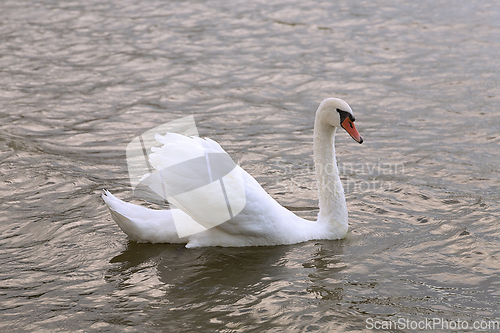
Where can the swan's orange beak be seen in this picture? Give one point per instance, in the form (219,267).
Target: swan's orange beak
(348,125)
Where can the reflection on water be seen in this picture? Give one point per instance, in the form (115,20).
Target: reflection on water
(213,288)
(78,81)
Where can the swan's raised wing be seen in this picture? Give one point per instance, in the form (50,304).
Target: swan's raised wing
(197,176)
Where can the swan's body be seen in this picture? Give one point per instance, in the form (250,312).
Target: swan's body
(262,221)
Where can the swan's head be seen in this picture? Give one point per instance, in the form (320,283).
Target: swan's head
(337,113)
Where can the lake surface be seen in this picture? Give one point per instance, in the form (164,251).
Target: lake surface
(79,80)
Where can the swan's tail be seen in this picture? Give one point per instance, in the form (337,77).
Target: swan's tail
(141,224)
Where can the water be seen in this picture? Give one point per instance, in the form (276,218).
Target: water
(79,80)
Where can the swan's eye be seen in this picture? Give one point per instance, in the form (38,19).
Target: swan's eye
(344,115)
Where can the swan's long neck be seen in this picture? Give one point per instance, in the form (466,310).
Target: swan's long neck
(332,204)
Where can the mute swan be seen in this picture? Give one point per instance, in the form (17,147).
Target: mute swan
(261,220)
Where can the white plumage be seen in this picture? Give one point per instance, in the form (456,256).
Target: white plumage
(261,220)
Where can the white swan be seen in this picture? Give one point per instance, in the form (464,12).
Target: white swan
(262,221)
